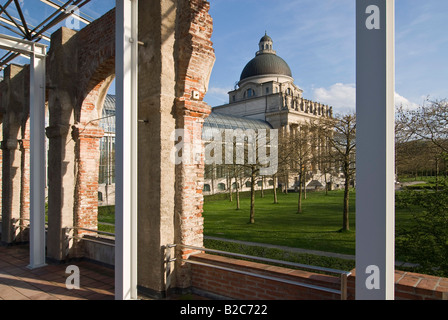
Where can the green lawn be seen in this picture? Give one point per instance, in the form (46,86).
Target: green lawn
(317,228)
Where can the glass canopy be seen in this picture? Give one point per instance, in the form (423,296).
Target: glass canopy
(218,121)
(36,20)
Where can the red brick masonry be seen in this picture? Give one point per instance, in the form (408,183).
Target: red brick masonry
(409,286)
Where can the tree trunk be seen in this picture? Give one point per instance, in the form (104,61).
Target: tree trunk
(299,206)
(262,187)
(275,189)
(229,184)
(252,197)
(237,195)
(326,182)
(345,220)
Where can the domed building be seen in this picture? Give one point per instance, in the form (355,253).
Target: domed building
(266,93)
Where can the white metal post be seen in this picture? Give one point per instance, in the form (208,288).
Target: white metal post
(126,149)
(375,195)
(37,150)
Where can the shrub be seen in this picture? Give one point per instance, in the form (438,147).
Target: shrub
(424,240)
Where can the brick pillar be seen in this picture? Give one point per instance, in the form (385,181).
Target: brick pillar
(15,180)
(87,138)
(61,154)
(10,190)
(25,184)
(175,61)
(194,66)
(156,172)
(189,187)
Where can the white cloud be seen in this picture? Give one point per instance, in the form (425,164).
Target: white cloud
(217,96)
(405,103)
(219,91)
(342,97)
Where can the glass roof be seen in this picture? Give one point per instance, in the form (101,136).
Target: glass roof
(108,117)
(36,20)
(218,121)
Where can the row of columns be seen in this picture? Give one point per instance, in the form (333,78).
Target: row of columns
(175,60)
(72,170)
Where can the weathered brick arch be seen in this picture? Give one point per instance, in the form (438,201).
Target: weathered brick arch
(96,60)
(81,70)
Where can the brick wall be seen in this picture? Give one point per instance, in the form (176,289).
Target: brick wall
(412,286)
(194,61)
(245,287)
(409,286)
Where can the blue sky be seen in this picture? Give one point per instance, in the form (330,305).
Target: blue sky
(317,39)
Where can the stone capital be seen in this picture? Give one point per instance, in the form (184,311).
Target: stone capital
(57,131)
(10,144)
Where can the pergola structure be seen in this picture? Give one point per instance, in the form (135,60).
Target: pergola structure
(173,53)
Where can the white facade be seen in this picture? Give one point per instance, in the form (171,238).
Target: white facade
(266,91)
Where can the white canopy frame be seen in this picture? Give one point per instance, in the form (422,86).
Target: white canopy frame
(126,67)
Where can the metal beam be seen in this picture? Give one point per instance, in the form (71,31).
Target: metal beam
(22,46)
(375,143)
(61,8)
(126,149)
(22,18)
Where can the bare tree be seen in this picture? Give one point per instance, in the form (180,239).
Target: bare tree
(247,153)
(428,122)
(301,141)
(422,137)
(340,132)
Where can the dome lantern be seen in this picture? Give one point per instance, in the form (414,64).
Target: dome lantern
(266,45)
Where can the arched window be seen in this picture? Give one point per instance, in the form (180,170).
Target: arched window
(206,188)
(250,93)
(221,187)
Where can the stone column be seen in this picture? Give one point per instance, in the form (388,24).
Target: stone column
(61,155)
(194,66)
(157,21)
(172,83)
(15,103)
